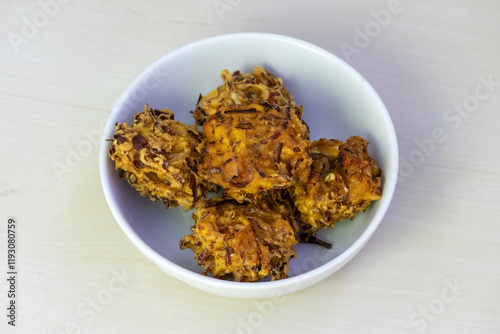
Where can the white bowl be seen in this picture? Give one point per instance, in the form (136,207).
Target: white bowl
(338,103)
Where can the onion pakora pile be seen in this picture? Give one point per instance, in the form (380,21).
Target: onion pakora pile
(278,187)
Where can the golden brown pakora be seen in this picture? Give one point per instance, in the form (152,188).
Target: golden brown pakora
(255,146)
(344,180)
(158,157)
(242,89)
(252,149)
(245,242)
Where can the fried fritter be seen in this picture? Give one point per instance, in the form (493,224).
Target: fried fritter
(242,89)
(158,157)
(255,148)
(244,242)
(344,180)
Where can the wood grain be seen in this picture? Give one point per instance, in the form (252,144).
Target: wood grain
(442,228)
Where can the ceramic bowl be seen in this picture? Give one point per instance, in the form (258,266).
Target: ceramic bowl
(338,103)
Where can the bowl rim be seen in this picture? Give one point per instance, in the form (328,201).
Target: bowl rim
(258,289)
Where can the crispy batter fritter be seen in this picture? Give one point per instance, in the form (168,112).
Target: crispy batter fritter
(343,181)
(158,157)
(256,148)
(244,242)
(242,89)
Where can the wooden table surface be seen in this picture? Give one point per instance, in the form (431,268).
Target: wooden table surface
(432,266)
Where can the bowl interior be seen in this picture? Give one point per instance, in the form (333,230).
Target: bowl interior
(338,103)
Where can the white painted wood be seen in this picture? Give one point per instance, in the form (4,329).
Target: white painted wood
(442,228)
